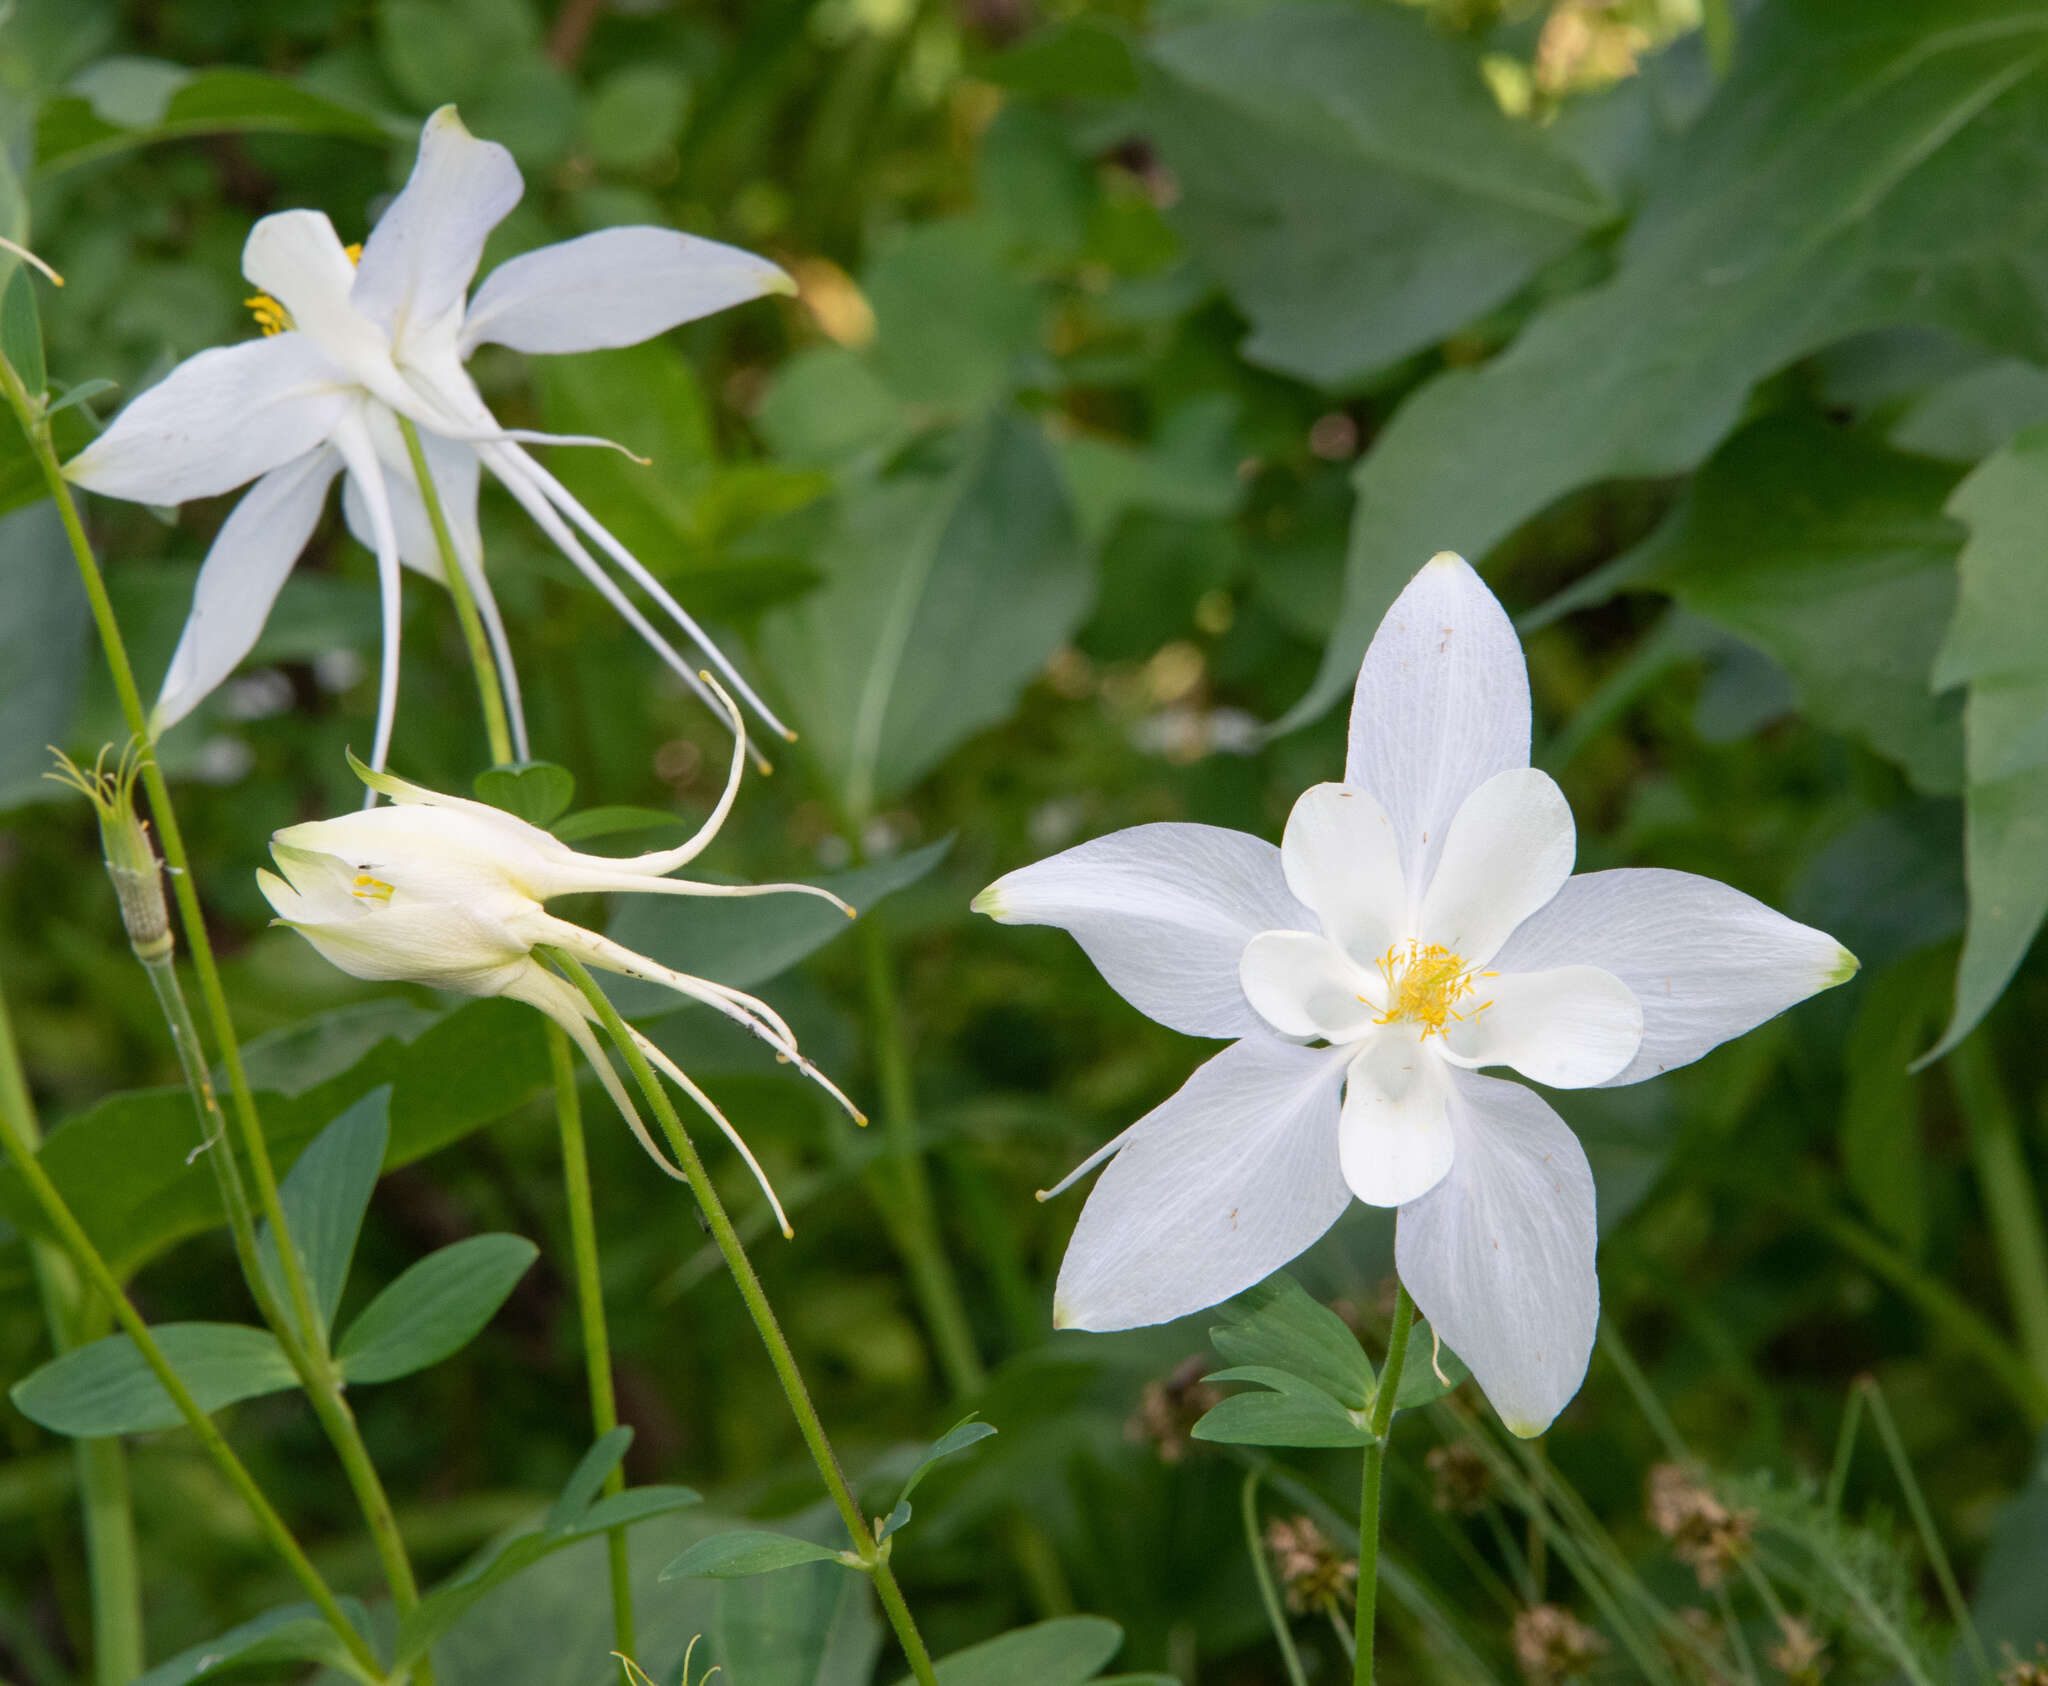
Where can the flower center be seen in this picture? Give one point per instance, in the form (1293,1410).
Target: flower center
(1425,983)
(370,889)
(271,316)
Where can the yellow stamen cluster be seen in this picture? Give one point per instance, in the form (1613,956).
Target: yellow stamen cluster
(1425,983)
(271,316)
(370,889)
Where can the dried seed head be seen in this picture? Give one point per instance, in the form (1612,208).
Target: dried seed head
(1463,1482)
(124,840)
(1552,1644)
(1801,1654)
(1703,1532)
(1314,1575)
(2025,1671)
(1168,1409)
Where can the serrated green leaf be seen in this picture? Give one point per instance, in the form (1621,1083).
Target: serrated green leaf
(292,1633)
(324,1197)
(539,792)
(746,1551)
(1279,1325)
(435,1308)
(107,1387)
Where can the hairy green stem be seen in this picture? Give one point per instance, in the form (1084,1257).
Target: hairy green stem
(597,1345)
(1382,1423)
(1262,1574)
(2006,1185)
(16,1132)
(873,1555)
(489,689)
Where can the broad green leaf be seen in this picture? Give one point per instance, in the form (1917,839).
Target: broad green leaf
(587,1477)
(107,1387)
(1348,174)
(120,104)
(21,332)
(811,1626)
(1082,58)
(42,644)
(437,1307)
(828,406)
(1833,554)
(438,50)
(1994,645)
(743,942)
(946,590)
(746,1551)
(635,114)
(446,1604)
(538,792)
(1278,1325)
(292,1633)
(1883,1156)
(2010,1613)
(123,1167)
(1189,469)
(1066,1651)
(1294,1413)
(1851,172)
(954,321)
(324,1199)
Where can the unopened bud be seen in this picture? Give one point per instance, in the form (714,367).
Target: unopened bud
(124,839)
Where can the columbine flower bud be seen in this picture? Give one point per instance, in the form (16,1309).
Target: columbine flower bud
(124,840)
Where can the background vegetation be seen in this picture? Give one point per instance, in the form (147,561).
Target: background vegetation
(1143,350)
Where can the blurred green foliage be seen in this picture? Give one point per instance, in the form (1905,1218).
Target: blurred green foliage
(1142,351)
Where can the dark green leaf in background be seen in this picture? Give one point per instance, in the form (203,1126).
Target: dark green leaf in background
(324,1197)
(42,644)
(538,792)
(746,1551)
(107,1387)
(1067,1651)
(292,1633)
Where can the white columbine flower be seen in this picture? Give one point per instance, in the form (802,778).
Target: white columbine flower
(446,892)
(1418,922)
(350,346)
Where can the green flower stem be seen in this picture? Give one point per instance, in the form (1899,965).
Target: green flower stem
(16,1131)
(874,1556)
(597,1346)
(2007,1188)
(1369,1494)
(1262,1574)
(496,723)
(913,1215)
(322,1380)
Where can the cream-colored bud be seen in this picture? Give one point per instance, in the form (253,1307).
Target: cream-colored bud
(124,840)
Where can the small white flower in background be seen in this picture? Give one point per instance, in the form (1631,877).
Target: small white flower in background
(350,346)
(442,891)
(1418,922)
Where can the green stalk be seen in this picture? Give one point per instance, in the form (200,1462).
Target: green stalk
(1262,1573)
(16,1128)
(873,1556)
(322,1380)
(916,1230)
(1845,1450)
(597,1348)
(496,723)
(1369,1493)
(2007,1188)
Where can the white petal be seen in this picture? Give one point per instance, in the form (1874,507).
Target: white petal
(1395,1140)
(618,286)
(1509,849)
(1442,705)
(1572,1027)
(420,258)
(457,477)
(1341,860)
(298,259)
(1705,961)
(352,440)
(1499,1255)
(1164,911)
(1305,985)
(1212,1191)
(240,579)
(215,422)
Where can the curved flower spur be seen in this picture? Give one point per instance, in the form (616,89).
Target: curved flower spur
(356,338)
(447,892)
(1418,922)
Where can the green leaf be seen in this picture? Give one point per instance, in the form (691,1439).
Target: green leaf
(1066,1651)
(1083,58)
(746,1551)
(2009,1610)
(587,1477)
(1349,176)
(106,1387)
(946,590)
(435,1308)
(963,1434)
(2003,599)
(635,114)
(1883,1155)
(1841,179)
(1420,1382)
(1295,1413)
(292,1633)
(745,942)
(42,645)
(82,393)
(611,820)
(125,103)
(21,331)
(1833,554)
(954,322)
(1278,1325)
(810,1626)
(446,1604)
(538,792)
(324,1198)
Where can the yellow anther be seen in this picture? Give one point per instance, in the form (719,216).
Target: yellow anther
(370,889)
(1425,983)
